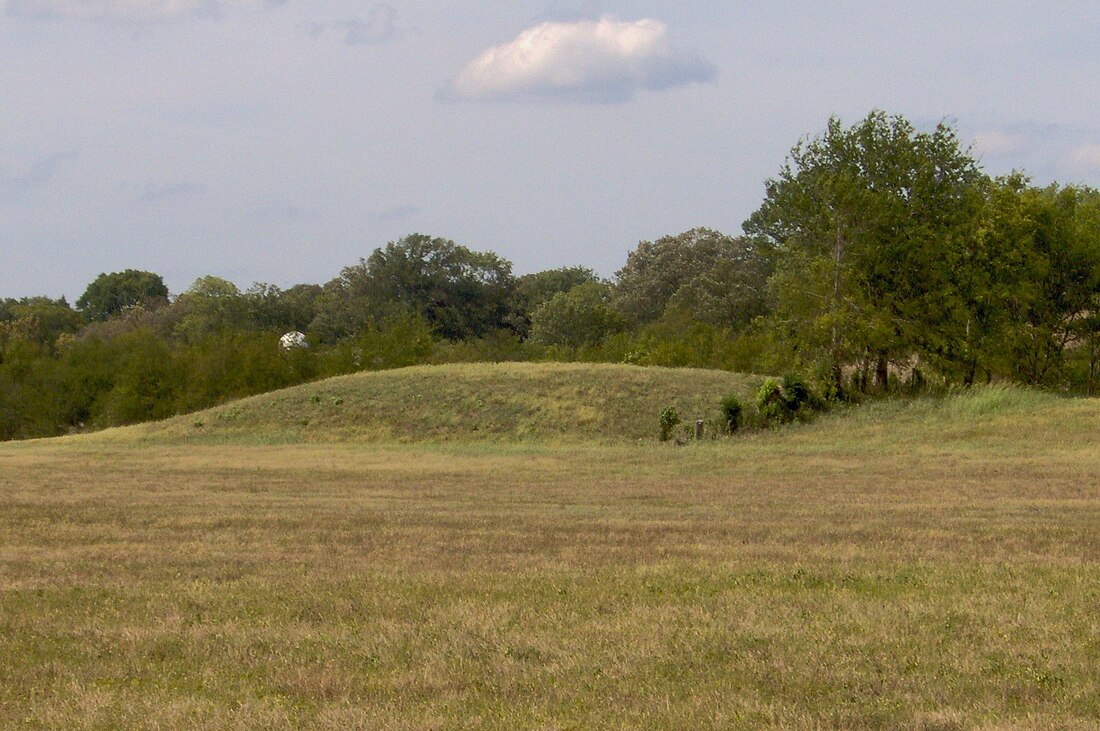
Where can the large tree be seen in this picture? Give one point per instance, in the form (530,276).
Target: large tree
(210,305)
(581,316)
(718,279)
(36,320)
(872,224)
(460,293)
(1052,302)
(534,289)
(110,294)
(273,309)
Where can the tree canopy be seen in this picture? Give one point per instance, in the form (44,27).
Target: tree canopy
(581,316)
(534,289)
(719,279)
(871,224)
(460,293)
(110,294)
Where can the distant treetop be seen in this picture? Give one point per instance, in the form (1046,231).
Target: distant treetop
(110,294)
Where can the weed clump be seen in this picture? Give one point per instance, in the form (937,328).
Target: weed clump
(782,403)
(667,421)
(798,394)
(732,413)
(771,404)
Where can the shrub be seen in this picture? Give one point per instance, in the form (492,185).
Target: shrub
(668,419)
(779,404)
(732,413)
(771,403)
(796,393)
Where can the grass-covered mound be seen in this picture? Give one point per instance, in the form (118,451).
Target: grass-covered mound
(481,401)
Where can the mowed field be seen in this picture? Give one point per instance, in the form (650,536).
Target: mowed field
(324,559)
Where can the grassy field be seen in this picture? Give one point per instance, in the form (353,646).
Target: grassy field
(932,564)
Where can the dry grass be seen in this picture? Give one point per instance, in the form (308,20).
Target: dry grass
(928,565)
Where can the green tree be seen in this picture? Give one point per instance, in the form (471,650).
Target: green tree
(236,363)
(148,382)
(460,293)
(351,303)
(87,370)
(875,230)
(534,289)
(582,316)
(30,393)
(1052,304)
(277,310)
(210,305)
(110,294)
(394,342)
(719,280)
(38,320)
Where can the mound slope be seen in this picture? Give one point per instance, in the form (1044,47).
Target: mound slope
(464,402)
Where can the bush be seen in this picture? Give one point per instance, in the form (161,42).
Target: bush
(668,419)
(796,393)
(771,403)
(780,404)
(732,413)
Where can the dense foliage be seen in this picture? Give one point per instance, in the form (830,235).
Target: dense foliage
(110,294)
(720,280)
(881,256)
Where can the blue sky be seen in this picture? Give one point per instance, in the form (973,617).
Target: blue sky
(278,141)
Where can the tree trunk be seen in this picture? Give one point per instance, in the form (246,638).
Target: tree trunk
(838,379)
(882,373)
(838,251)
(1094,365)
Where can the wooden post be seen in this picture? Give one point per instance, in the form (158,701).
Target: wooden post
(698,430)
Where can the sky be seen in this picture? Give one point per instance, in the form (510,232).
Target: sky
(279,141)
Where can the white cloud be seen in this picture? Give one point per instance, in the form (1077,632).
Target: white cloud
(603,60)
(1085,157)
(139,11)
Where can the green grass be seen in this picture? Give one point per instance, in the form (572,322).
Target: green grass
(925,564)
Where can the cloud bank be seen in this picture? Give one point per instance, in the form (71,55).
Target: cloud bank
(1086,157)
(379,28)
(603,60)
(136,11)
(41,172)
(1002,143)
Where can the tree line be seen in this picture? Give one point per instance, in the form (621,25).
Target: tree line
(882,257)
